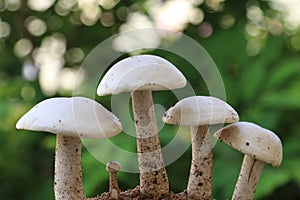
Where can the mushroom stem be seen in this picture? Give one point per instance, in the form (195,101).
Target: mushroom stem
(153,175)
(248,179)
(200,180)
(113,167)
(114,189)
(68,173)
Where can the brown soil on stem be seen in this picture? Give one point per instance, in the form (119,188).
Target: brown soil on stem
(134,194)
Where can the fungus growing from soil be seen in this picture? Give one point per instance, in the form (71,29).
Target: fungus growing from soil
(113,167)
(198,113)
(259,145)
(70,119)
(141,75)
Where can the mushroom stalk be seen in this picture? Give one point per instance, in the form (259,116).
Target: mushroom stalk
(259,145)
(248,179)
(114,189)
(113,167)
(153,175)
(68,173)
(200,180)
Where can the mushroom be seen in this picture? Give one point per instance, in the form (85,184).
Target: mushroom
(141,75)
(113,167)
(259,146)
(199,112)
(71,119)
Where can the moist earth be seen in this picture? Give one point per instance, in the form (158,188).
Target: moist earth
(134,194)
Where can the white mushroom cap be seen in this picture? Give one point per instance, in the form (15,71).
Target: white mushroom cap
(76,116)
(113,166)
(200,110)
(143,72)
(253,140)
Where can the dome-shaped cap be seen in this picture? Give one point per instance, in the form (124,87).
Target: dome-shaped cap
(76,116)
(200,110)
(143,72)
(253,140)
(113,166)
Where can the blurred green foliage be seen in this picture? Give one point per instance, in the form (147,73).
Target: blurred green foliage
(260,70)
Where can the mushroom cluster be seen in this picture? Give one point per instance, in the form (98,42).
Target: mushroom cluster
(78,117)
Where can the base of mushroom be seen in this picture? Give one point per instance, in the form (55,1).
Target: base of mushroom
(134,194)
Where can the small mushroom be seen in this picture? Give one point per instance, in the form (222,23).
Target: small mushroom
(141,75)
(113,167)
(199,112)
(259,146)
(71,119)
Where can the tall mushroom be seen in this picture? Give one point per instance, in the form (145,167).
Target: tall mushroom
(259,146)
(141,75)
(71,119)
(199,112)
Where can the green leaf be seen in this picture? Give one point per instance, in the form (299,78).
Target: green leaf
(251,80)
(288,97)
(270,179)
(282,73)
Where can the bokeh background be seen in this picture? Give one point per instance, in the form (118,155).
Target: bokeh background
(255,45)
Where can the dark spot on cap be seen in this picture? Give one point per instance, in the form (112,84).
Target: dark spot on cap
(247,143)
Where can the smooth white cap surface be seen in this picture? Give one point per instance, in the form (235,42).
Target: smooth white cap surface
(200,110)
(143,72)
(253,140)
(76,116)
